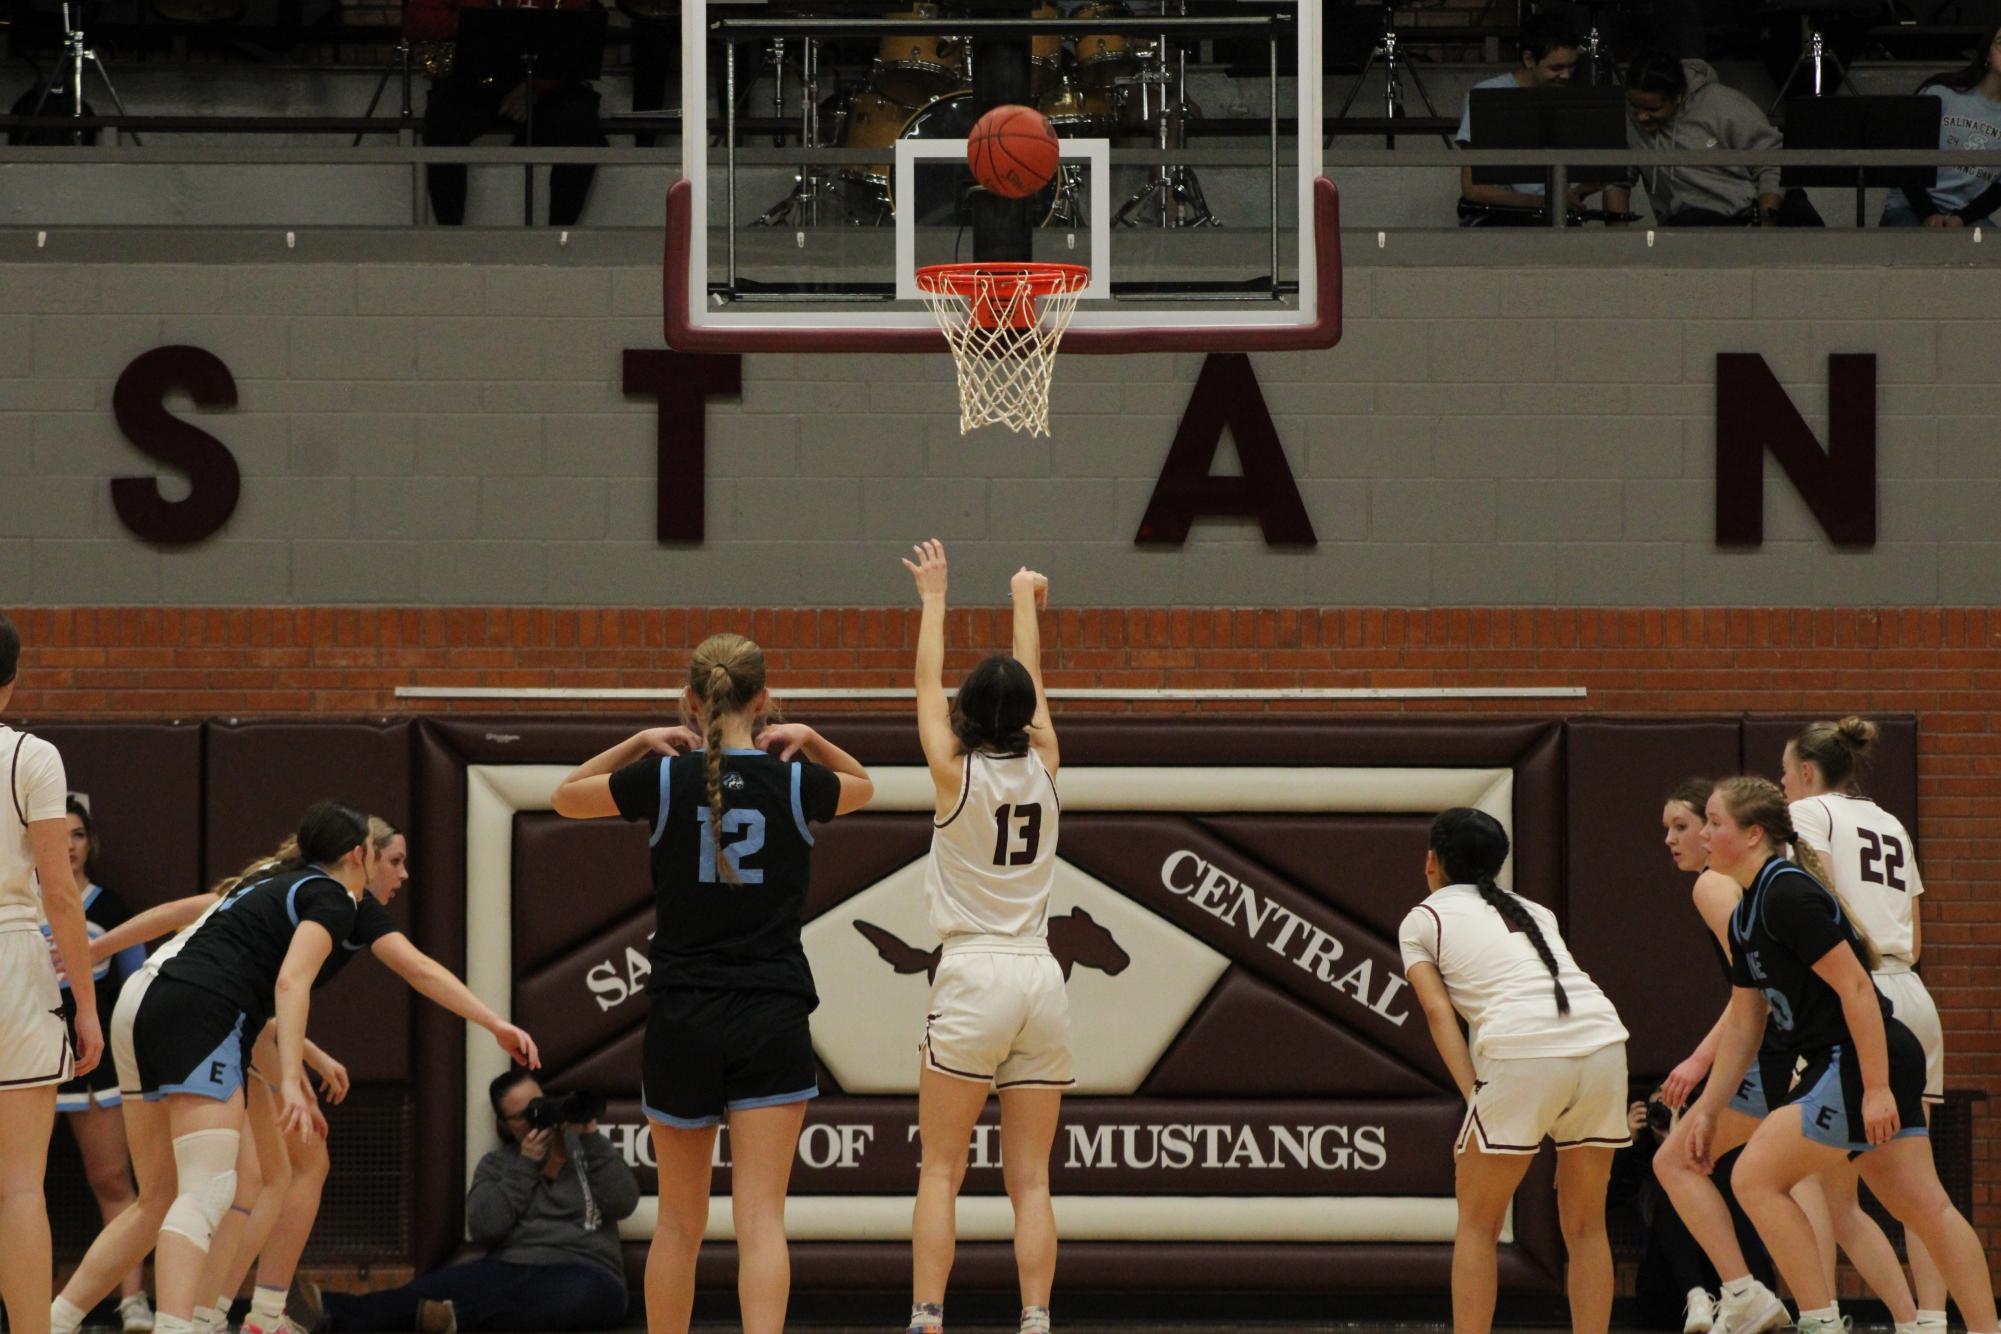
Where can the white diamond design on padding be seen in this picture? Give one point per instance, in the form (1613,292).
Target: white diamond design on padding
(1123,1015)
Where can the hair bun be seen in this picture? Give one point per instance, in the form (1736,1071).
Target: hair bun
(1856,733)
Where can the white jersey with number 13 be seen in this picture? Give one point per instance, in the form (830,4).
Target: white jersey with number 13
(993,857)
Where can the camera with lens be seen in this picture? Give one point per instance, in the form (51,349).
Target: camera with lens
(561,1109)
(1660,1116)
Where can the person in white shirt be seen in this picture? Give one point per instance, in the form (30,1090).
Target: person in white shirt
(998,1015)
(1869,860)
(1546,1058)
(35,1047)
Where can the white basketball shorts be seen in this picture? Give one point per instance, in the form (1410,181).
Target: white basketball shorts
(1913,1006)
(999,1013)
(34,1040)
(1574,1100)
(124,1058)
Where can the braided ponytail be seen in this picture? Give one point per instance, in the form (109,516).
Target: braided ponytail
(1518,918)
(1472,847)
(726,676)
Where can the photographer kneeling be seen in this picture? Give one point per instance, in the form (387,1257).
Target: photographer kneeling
(546,1204)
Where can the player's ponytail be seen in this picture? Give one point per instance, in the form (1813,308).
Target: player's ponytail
(285,858)
(1839,750)
(1472,847)
(1758,803)
(727,676)
(995,706)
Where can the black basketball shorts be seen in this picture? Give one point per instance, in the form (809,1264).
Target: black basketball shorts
(709,1053)
(1829,1091)
(187,1039)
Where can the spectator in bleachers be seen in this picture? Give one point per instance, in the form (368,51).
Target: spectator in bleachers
(1970,101)
(1677,104)
(461,108)
(1546,57)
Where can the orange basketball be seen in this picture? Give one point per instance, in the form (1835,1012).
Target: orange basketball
(1013,151)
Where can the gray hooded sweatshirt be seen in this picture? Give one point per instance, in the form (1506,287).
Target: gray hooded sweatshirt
(1711,117)
(526,1218)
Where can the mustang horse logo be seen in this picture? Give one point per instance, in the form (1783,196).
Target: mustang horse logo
(1074,938)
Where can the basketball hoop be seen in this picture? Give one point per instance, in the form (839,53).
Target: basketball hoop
(1003,323)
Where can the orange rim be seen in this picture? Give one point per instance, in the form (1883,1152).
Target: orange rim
(1002,295)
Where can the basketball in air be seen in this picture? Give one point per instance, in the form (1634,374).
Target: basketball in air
(1012,151)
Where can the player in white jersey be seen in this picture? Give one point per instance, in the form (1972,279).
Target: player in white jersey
(998,1015)
(1869,860)
(1547,1057)
(35,1053)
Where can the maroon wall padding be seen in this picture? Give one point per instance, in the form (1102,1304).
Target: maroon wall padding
(1631,923)
(144,781)
(262,777)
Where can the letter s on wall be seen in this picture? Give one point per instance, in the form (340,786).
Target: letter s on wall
(139,403)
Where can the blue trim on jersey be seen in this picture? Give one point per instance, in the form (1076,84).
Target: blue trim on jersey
(678,1122)
(773,1100)
(799,807)
(292,902)
(741,750)
(666,792)
(90,896)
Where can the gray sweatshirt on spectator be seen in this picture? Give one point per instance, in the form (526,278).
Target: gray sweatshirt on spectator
(1712,117)
(525,1218)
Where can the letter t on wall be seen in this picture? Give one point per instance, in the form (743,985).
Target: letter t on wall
(682,383)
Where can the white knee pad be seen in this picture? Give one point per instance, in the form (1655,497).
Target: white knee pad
(206,1161)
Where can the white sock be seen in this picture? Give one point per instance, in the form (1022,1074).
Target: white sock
(208,1319)
(1828,1314)
(267,1307)
(1911,1328)
(172,1324)
(1933,1319)
(64,1318)
(1740,1288)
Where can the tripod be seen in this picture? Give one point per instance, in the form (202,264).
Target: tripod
(1389,50)
(1815,61)
(77,54)
(800,208)
(1173,189)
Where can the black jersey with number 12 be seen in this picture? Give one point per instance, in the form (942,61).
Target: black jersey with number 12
(1786,923)
(711,932)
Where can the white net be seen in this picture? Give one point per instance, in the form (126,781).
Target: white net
(1003,322)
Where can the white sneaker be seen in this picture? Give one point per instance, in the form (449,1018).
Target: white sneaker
(1698,1316)
(1756,1311)
(1838,1325)
(135,1314)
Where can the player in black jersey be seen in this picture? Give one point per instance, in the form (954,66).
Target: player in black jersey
(1747,1305)
(731,830)
(1858,1093)
(280,1177)
(253,957)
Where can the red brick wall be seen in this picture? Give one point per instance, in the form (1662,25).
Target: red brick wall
(1943,664)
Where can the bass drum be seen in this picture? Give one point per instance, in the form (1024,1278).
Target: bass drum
(869,191)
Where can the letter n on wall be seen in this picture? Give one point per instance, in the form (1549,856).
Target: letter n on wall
(1753,415)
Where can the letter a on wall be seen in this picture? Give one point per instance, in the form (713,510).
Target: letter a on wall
(1753,414)
(1226,394)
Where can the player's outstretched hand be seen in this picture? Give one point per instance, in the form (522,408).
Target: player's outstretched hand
(1879,1115)
(300,1115)
(790,738)
(1681,1081)
(929,568)
(1700,1127)
(89,1044)
(1028,581)
(671,740)
(517,1044)
(333,1076)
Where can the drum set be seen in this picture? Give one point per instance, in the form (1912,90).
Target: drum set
(1109,85)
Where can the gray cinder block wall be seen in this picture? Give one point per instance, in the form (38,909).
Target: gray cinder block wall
(1506,432)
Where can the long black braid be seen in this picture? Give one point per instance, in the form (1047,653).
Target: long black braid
(1518,917)
(1472,847)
